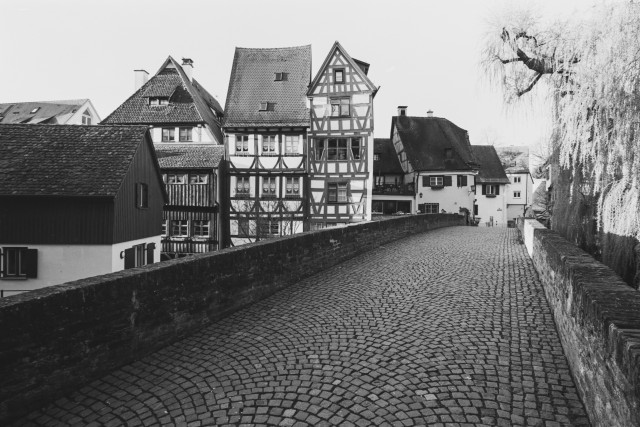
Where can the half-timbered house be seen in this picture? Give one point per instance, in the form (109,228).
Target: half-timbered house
(340,141)
(391,195)
(436,156)
(265,126)
(185,125)
(75,202)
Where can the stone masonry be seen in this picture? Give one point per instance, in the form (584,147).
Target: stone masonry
(445,327)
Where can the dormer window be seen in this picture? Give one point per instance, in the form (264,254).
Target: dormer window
(86,118)
(267,106)
(158,100)
(280,77)
(338,75)
(35,110)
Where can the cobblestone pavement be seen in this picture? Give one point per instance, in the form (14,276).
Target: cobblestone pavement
(449,327)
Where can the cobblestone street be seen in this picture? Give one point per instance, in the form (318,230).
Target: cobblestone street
(449,327)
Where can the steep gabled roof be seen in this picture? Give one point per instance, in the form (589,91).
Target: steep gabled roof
(515,159)
(389,162)
(204,156)
(253,81)
(189,102)
(66,160)
(51,112)
(491,170)
(356,64)
(425,140)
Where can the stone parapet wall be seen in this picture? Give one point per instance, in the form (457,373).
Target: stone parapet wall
(56,339)
(598,318)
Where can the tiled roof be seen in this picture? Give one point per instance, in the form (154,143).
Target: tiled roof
(491,170)
(47,111)
(66,160)
(389,162)
(515,159)
(425,140)
(188,102)
(189,156)
(253,81)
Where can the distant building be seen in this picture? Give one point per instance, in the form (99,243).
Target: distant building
(515,160)
(185,126)
(265,126)
(75,202)
(436,157)
(70,112)
(491,185)
(390,193)
(341,141)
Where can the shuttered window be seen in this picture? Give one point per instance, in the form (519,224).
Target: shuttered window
(462,180)
(139,255)
(18,262)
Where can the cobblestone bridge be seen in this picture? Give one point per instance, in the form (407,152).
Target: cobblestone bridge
(447,327)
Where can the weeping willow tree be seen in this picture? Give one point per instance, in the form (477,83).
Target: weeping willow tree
(589,67)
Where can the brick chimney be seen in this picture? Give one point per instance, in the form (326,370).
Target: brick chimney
(430,113)
(141,77)
(187,66)
(402,110)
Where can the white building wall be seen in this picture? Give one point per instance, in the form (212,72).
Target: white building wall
(451,199)
(65,263)
(495,207)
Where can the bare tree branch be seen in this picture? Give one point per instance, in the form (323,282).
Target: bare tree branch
(531,85)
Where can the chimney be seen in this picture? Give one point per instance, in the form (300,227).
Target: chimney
(187,66)
(402,110)
(430,113)
(141,78)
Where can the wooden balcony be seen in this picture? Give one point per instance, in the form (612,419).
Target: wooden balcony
(190,194)
(394,190)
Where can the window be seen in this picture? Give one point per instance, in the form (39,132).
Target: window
(516,179)
(35,110)
(376,157)
(198,178)
(436,181)
(168,134)
(242,186)
(186,134)
(269,144)
(430,208)
(319,148)
(337,149)
(164,228)
(175,178)
(516,194)
(282,77)
(269,186)
(267,106)
(355,148)
(490,190)
(340,107)
(18,263)
(86,118)
(243,228)
(268,228)
(337,192)
(292,187)
(338,75)
(138,255)
(462,180)
(180,228)
(291,144)
(142,196)
(155,101)
(242,144)
(200,228)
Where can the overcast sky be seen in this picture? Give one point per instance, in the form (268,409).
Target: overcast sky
(423,53)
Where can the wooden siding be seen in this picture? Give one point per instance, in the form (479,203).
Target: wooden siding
(56,220)
(131,222)
(191,194)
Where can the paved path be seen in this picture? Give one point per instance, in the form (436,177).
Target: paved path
(447,327)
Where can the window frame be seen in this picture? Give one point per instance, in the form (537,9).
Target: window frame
(334,190)
(176,178)
(431,208)
(190,135)
(198,178)
(272,148)
(242,144)
(293,183)
(436,178)
(267,106)
(270,225)
(246,186)
(491,187)
(291,145)
(517,179)
(356,151)
(376,157)
(270,182)
(201,228)
(281,76)
(517,195)
(339,105)
(86,118)
(181,225)
(339,151)
(244,227)
(342,76)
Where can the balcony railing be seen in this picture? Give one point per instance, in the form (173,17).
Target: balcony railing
(188,246)
(393,189)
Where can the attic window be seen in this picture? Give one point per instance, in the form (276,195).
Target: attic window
(448,153)
(158,100)
(376,156)
(267,106)
(281,77)
(338,75)
(35,110)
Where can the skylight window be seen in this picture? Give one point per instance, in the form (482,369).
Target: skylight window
(35,110)
(267,106)
(282,77)
(156,101)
